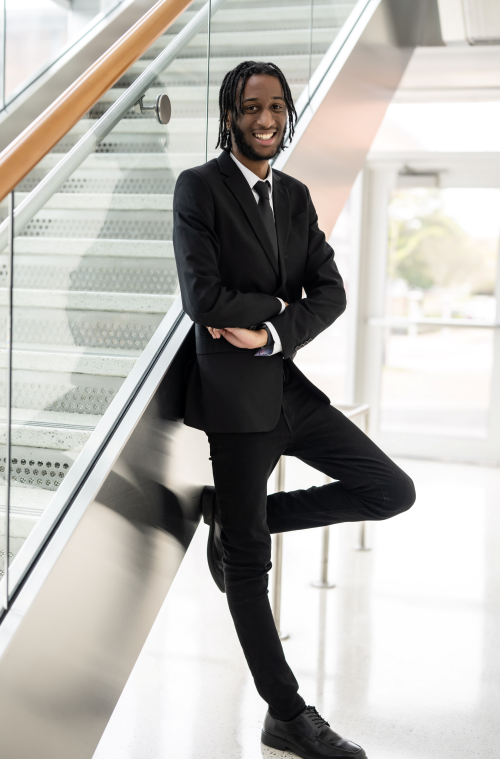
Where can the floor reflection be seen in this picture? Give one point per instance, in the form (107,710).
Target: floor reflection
(402,656)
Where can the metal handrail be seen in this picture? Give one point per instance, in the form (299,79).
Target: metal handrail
(54,180)
(23,153)
(408,321)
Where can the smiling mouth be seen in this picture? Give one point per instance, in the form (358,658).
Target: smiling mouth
(264,136)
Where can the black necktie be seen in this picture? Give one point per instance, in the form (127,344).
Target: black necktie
(262,190)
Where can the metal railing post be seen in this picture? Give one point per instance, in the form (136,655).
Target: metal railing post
(278,557)
(362,527)
(362,538)
(325,549)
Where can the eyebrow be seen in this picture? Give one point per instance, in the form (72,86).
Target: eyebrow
(275,97)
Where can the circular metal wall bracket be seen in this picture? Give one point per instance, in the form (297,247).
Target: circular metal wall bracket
(162,108)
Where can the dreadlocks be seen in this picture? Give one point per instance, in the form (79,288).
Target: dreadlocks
(228,95)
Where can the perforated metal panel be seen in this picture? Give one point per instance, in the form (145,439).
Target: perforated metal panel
(36,468)
(96,276)
(90,329)
(117,225)
(62,392)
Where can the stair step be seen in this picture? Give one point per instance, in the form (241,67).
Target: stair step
(272,41)
(102,201)
(52,434)
(108,332)
(27,505)
(285,17)
(28,417)
(194,70)
(77,361)
(69,300)
(67,393)
(118,162)
(111,224)
(92,274)
(59,246)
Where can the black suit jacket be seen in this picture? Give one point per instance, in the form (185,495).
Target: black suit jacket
(229,278)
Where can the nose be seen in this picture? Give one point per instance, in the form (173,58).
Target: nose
(266,118)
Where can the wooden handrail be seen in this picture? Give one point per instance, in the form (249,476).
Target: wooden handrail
(43,133)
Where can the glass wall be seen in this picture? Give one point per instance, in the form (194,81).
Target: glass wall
(442,265)
(37,32)
(94,271)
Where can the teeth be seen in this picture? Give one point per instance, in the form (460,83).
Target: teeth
(264,136)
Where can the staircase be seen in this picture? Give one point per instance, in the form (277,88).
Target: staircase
(94,270)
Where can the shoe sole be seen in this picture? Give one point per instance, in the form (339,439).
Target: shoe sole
(211,561)
(274,742)
(207,504)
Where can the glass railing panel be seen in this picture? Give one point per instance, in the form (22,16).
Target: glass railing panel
(94,269)
(94,275)
(38,32)
(327,19)
(5,310)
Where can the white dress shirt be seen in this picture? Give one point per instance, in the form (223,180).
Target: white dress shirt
(252,180)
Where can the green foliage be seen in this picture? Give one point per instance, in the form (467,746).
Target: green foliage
(427,248)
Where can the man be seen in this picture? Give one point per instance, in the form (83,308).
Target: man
(247,245)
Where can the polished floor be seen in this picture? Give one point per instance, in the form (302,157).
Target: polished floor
(401,656)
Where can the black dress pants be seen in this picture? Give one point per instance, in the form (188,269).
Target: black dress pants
(369,487)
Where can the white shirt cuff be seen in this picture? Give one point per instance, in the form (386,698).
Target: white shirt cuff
(283,306)
(277,342)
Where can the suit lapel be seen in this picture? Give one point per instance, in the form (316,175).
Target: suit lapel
(282,215)
(240,188)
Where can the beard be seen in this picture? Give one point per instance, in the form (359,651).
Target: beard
(247,150)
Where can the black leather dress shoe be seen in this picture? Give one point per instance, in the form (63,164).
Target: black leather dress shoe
(308,736)
(214,545)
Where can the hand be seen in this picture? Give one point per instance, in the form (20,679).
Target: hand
(215,332)
(241,338)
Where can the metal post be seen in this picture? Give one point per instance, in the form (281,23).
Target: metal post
(8,394)
(323,581)
(362,538)
(362,527)
(278,557)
